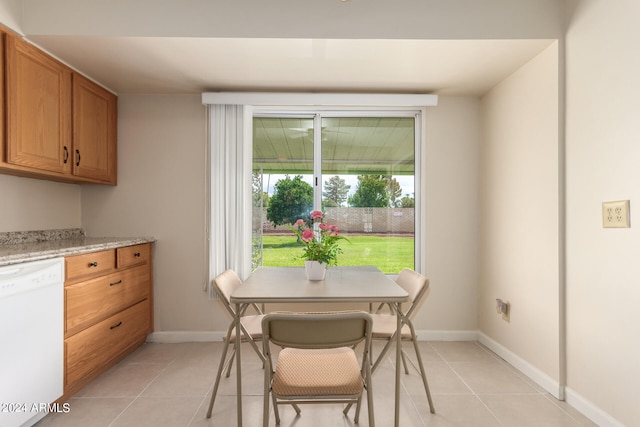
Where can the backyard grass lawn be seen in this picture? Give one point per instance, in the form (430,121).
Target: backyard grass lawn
(389,254)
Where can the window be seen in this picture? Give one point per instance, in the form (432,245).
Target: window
(359,167)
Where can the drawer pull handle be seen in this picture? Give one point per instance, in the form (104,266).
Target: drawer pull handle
(137,255)
(93,264)
(66,155)
(77,157)
(115,283)
(115,326)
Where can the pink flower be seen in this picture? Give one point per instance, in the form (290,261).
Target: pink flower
(321,244)
(307,235)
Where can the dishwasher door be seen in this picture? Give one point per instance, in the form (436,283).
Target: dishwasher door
(31,340)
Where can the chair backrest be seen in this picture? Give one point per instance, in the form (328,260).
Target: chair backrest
(416,286)
(224,284)
(317,330)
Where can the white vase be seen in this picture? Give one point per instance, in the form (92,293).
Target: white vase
(315,270)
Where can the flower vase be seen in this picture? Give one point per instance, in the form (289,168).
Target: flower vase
(315,270)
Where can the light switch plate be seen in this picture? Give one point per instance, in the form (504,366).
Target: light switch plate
(615,214)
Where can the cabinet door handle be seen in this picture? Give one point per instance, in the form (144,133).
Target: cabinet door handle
(77,157)
(93,264)
(66,155)
(137,255)
(116,325)
(115,283)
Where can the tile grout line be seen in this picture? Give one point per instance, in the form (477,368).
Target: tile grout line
(527,380)
(404,387)
(140,393)
(467,385)
(555,401)
(518,373)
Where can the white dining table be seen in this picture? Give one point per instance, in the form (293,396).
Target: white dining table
(341,285)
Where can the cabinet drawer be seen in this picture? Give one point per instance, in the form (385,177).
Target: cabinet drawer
(96,299)
(87,352)
(133,255)
(88,265)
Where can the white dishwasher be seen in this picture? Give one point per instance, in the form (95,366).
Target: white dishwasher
(31,340)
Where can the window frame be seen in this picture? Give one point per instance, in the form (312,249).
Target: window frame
(317,112)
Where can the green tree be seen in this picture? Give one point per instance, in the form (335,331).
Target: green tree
(371,192)
(291,200)
(394,191)
(335,192)
(408,202)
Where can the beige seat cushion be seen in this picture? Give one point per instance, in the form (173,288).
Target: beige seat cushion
(384,326)
(253,324)
(317,372)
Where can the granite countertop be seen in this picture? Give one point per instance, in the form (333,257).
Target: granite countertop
(23,246)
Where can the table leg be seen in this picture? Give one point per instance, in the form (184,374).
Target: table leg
(238,364)
(398,361)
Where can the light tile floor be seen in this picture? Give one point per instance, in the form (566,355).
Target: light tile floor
(170,385)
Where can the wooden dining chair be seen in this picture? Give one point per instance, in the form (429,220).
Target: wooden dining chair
(385,325)
(250,325)
(318,362)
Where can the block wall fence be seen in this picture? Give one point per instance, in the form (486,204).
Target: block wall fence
(357,220)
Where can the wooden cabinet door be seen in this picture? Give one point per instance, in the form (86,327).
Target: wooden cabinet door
(38,90)
(94,131)
(90,352)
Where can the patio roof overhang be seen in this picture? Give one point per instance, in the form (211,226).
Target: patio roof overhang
(350,145)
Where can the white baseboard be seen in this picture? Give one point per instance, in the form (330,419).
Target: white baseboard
(429,335)
(211,336)
(590,410)
(184,336)
(549,384)
(552,386)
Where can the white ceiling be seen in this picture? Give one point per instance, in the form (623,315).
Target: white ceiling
(195,65)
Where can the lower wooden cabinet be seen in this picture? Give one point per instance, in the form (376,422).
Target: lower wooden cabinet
(108,310)
(94,300)
(88,352)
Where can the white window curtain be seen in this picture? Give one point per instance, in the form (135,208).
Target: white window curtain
(230,190)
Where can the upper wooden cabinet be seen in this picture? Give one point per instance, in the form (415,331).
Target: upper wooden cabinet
(94,131)
(59,124)
(38,109)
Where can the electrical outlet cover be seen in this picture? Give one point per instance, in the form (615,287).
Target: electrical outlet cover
(615,214)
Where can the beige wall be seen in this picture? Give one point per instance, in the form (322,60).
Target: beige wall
(33,204)
(450,184)
(519,246)
(161,193)
(603,158)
